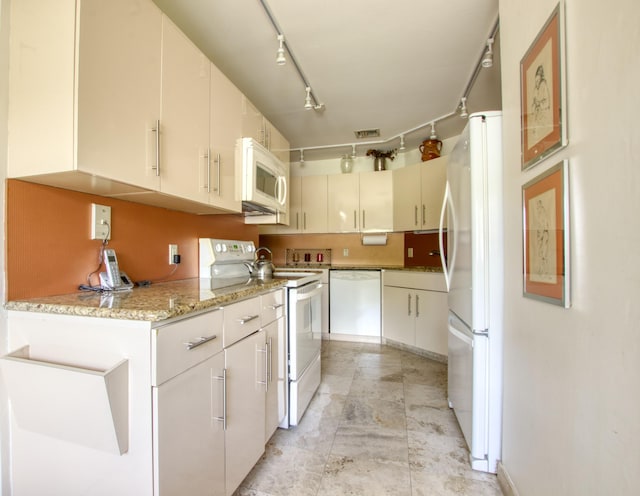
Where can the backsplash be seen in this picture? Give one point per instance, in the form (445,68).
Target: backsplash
(308,257)
(49,251)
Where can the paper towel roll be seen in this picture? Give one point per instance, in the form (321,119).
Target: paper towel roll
(374,239)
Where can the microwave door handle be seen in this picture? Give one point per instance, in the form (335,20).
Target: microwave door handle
(282,190)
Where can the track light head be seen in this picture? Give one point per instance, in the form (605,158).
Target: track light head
(307,101)
(433,136)
(487,59)
(463,108)
(280,58)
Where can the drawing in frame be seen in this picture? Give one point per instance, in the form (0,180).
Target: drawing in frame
(543,93)
(545,223)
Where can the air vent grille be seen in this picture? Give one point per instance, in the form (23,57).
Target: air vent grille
(367,133)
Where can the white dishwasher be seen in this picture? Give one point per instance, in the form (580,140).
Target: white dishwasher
(354,305)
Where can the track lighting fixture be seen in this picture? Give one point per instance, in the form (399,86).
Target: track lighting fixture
(487,59)
(280,58)
(301,156)
(433,136)
(463,108)
(353,151)
(402,147)
(307,101)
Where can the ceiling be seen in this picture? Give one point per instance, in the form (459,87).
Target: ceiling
(373,64)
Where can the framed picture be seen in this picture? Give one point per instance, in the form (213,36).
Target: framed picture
(542,93)
(545,207)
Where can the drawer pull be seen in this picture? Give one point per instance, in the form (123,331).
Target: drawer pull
(205,339)
(275,307)
(249,318)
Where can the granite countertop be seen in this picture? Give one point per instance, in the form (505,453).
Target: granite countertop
(423,268)
(157,302)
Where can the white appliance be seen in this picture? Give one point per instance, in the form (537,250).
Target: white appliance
(223,265)
(355,305)
(263,188)
(474,275)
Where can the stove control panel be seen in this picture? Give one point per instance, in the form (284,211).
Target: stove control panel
(223,252)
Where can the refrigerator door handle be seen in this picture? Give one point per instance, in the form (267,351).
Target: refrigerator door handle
(447,201)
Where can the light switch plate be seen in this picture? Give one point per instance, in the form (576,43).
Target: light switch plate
(100,221)
(409,252)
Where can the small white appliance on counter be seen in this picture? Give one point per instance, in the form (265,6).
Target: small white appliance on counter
(355,305)
(474,274)
(224,264)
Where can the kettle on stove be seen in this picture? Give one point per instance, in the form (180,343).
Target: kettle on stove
(261,267)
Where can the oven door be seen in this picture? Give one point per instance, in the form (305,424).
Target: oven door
(305,327)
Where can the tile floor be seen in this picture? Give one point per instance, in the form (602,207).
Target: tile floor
(378,425)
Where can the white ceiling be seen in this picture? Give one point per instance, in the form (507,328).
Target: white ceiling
(393,65)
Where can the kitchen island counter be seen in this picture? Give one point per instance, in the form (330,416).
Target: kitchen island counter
(152,303)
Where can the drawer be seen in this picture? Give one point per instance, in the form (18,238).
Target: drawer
(240,320)
(179,346)
(272,306)
(429,281)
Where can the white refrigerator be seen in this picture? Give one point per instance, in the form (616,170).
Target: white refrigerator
(474,274)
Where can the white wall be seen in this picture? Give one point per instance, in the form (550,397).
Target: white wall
(4,80)
(572,377)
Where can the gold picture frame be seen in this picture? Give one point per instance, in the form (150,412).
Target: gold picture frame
(545,222)
(543,92)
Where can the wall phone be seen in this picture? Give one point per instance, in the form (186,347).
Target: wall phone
(113,279)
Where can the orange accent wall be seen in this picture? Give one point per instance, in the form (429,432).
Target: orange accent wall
(48,250)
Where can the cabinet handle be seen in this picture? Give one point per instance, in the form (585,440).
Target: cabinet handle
(270,361)
(424,214)
(248,318)
(204,339)
(275,307)
(218,187)
(297,221)
(417,306)
(157,131)
(415,215)
(265,383)
(223,378)
(364,223)
(355,219)
(304,221)
(207,162)
(409,305)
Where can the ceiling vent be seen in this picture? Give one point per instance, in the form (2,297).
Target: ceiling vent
(367,133)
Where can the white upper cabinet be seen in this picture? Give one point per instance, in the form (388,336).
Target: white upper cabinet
(343,211)
(184,122)
(418,191)
(85,91)
(376,201)
(307,206)
(225,129)
(360,202)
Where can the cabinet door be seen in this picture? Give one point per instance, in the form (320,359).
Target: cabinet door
(184,124)
(398,315)
(225,128)
(433,177)
(188,441)
(314,204)
(406,198)
(252,122)
(119,89)
(276,402)
(245,362)
(295,210)
(376,201)
(276,142)
(431,321)
(343,203)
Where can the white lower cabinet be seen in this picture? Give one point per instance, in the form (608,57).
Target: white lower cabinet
(244,438)
(414,310)
(275,327)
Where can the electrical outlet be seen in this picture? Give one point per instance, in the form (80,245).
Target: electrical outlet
(345,252)
(173,250)
(100,221)
(409,252)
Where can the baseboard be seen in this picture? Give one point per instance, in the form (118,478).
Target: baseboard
(506,484)
(354,338)
(418,351)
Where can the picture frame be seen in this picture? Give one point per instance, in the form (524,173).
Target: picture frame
(545,229)
(543,99)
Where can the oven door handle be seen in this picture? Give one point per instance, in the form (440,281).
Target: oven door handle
(309,293)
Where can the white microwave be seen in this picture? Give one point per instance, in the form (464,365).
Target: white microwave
(264,179)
